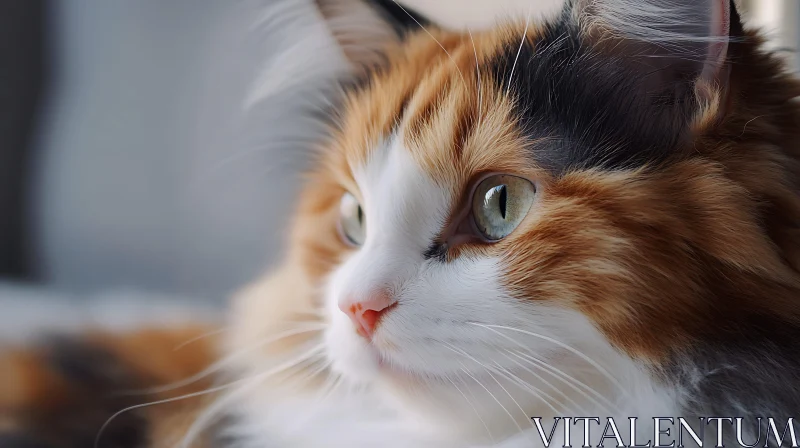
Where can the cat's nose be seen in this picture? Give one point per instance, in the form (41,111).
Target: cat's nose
(366,314)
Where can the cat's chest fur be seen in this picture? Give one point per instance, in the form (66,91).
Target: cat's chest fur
(356,420)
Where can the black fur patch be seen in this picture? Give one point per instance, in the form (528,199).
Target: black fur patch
(93,382)
(586,104)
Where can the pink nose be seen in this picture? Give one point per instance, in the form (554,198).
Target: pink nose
(366,314)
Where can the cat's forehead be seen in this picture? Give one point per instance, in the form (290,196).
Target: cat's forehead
(435,101)
(517,98)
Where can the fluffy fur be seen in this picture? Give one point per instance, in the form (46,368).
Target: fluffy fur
(661,223)
(656,273)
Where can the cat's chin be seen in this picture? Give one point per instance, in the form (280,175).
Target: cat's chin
(351,356)
(418,397)
(360,362)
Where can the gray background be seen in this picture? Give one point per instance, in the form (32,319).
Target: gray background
(173,139)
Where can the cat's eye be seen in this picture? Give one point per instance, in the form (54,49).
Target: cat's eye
(500,203)
(352,223)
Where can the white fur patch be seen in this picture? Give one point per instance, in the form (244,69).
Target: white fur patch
(460,357)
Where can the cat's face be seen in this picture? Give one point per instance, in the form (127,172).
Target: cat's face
(482,235)
(460,263)
(452,261)
(510,223)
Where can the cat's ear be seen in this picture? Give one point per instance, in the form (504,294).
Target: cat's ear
(365,29)
(678,39)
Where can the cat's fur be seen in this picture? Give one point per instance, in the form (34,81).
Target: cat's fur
(656,274)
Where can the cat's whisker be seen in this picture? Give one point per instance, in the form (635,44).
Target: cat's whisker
(480,83)
(466,372)
(519,51)
(545,382)
(567,379)
(321,368)
(541,394)
(744,128)
(218,165)
(535,391)
(308,376)
(200,337)
(157,402)
(489,371)
(477,414)
(562,376)
(247,384)
(213,411)
(463,81)
(227,360)
(567,347)
(261,376)
(317,312)
(471,392)
(330,386)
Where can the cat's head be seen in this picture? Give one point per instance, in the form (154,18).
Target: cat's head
(545,218)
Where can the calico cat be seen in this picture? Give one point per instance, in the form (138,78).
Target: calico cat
(593,216)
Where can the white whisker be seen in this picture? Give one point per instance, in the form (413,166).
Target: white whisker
(213,411)
(201,422)
(200,337)
(557,373)
(547,383)
(213,169)
(329,387)
(464,369)
(477,414)
(164,401)
(560,344)
(480,83)
(569,380)
(224,362)
(519,50)
(489,371)
(313,351)
(538,393)
(435,40)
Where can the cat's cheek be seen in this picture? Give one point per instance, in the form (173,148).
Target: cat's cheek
(350,355)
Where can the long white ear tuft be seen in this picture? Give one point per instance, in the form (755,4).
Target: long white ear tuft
(361,31)
(691,29)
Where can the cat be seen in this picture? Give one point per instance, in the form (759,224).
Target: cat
(592,216)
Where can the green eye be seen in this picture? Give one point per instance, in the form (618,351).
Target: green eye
(500,203)
(352,222)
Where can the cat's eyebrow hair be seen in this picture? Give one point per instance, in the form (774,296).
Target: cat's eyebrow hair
(436,251)
(400,114)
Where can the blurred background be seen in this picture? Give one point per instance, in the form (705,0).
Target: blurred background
(155,145)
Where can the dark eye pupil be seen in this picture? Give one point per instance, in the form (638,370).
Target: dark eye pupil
(503,200)
(360,215)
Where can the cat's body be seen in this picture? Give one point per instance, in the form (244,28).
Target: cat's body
(595,217)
